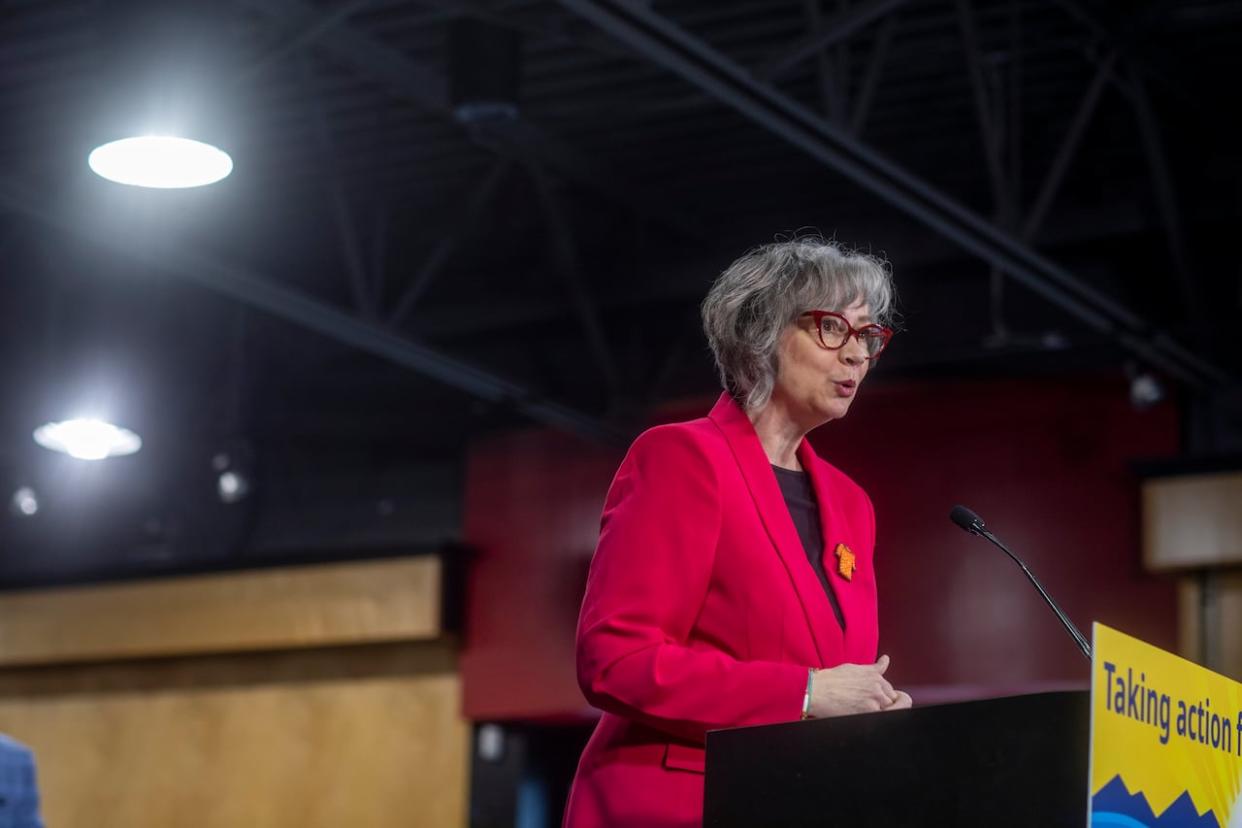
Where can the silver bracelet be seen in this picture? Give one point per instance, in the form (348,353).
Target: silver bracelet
(806,699)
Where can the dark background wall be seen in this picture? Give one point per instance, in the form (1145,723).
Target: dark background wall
(1046,463)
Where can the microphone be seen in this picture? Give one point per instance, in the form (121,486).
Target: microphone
(967,520)
(972,523)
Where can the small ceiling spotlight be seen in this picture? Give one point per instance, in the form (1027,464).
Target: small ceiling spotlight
(87,439)
(24,502)
(1145,390)
(161,162)
(232,486)
(233,479)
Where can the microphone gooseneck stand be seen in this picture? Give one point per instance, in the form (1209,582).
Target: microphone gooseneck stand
(972,523)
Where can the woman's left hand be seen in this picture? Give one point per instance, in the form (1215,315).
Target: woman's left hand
(903,701)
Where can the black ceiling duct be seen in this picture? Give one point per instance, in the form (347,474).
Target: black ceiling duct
(485,71)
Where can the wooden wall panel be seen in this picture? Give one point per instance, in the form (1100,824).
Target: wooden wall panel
(1192,521)
(355,736)
(1189,619)
(308,606)
(1221,612)
(1229,645)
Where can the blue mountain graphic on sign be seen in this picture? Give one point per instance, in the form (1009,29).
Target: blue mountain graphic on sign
(1183,812)
(1114,798)
(1113,805)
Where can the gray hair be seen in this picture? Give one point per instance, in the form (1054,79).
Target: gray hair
(762,292)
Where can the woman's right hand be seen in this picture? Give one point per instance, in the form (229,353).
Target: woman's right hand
(854,688)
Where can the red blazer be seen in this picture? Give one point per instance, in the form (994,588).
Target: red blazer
(703,612)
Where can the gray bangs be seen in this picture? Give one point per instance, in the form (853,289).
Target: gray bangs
(834,281)
(766,289)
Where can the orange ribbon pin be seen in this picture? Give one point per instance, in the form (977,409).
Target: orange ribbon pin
(845,561)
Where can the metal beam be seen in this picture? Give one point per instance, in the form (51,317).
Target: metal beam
(871,78)
(303,38)
(984,108)
(1123,38)
(830,85)
(831,66)
(523,141)
(548,26)
(264,294)
(687,56)
(833,30)
(1069,147)
(686,283)
(346,228)
(841,63)
(565,260)
(684,344)
(1166,200)
(448,243)
(1013,111)
(377,261)
(425,87)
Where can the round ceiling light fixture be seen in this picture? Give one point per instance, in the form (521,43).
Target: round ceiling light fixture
(24,502)
(87,439)
(160,161)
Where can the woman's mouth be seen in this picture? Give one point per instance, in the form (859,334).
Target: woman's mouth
(845,387)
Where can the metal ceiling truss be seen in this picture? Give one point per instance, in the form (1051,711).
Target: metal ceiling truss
(1166,198)
(688,56)
(467,220)
(520,141)
(566,263)
(346,228)
(262,293)
(1066,151)
(837,29)
(986,113)
(831,70)
(427,88)
(871,76)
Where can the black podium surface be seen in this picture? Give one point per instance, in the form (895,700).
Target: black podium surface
(1017,761)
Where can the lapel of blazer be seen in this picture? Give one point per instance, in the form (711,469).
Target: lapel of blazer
(832,524)
(761,480)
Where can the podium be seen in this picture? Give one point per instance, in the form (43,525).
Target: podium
(1017,761)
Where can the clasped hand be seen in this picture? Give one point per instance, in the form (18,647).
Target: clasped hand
(855,688)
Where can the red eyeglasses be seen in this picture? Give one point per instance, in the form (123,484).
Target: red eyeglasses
(835,330)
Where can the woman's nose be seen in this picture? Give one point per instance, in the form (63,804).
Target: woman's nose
(853,352)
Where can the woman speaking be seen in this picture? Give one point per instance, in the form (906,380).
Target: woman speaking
(733,583)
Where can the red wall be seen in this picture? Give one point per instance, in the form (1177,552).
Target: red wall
(1044,463)
(531,512)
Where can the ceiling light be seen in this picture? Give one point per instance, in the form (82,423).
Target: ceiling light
(160,161)
(1145,390)
(232,486)
(24,502)
(87,439)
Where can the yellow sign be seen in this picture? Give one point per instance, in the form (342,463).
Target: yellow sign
(1166,739)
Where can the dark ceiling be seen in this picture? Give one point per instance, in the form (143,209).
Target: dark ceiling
(395,268)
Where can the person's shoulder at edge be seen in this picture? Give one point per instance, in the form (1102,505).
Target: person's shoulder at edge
(11,749)
(675,440)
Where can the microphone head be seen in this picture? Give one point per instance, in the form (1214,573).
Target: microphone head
(966,519)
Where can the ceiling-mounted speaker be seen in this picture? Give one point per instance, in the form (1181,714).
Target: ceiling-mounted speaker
(485,71)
